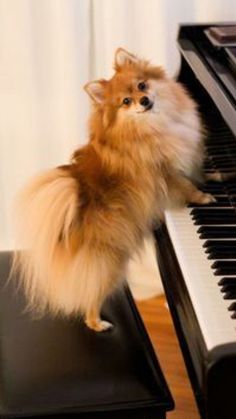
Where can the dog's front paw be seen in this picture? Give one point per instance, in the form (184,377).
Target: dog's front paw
(207,198)
(202,198)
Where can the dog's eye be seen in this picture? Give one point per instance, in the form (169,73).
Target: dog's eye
(127,101)
(142,86)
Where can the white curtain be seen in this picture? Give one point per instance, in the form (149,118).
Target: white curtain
(44,62)
(49,49)
(149,27)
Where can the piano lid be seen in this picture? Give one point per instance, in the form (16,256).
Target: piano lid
(214,66)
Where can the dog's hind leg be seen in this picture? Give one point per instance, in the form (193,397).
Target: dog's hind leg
(94,321)
(107,270)
(99,292)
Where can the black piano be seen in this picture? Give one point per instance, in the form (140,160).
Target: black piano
(196,248)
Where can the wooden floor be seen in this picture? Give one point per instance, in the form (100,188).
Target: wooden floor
(159,325)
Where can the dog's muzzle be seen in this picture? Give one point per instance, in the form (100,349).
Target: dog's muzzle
(146,103)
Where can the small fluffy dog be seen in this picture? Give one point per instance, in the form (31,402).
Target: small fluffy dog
(79,224)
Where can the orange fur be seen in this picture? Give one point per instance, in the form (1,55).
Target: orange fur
(80,224)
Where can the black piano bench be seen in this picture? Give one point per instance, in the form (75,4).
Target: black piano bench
(59,368)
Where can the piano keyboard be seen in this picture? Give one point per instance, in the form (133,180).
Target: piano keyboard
(204,239)
(204,280)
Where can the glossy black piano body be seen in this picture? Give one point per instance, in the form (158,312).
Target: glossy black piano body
(207,74)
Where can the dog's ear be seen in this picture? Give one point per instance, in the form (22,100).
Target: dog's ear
(96,90)
(123,57)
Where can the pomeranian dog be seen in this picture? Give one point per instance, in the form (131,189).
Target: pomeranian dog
(79,224)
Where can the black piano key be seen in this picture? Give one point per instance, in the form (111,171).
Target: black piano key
(212,212)
(221,255)
(219,130)
(229,287)
(230,182)
(217,232)
(223,162)
(224,264)
(220,249)
(221,153)
(213,188)
(224,251)
(233,316)
(227,280)
(231,190)
(214,153)
(214,140)
(215,221)
(208,169)
(204,214)
(227,171)
(219,244)
(223,141)
(207,166)
(215,156)
(219,216)
(222,267)
(226,152)
(227,165)
(213,184)
(232,202)
(217,151)
(232,306)
(231,295)
(226,155)
(220,145)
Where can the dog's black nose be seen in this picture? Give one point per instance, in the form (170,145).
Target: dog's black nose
(144,101)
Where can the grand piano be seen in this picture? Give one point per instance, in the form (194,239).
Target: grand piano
(196,247)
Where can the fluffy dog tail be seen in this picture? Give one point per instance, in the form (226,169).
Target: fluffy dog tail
(46,216)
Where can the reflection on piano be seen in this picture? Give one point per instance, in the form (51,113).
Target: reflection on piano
(197,247)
